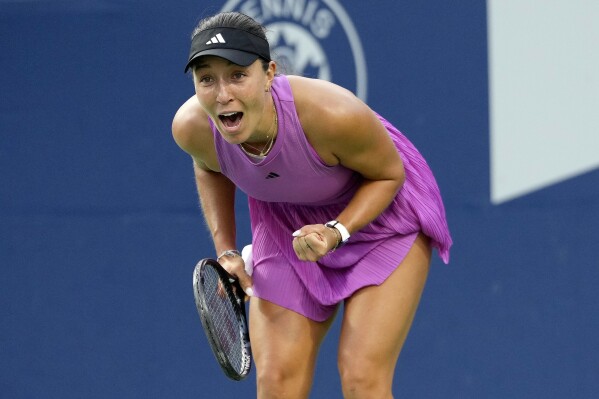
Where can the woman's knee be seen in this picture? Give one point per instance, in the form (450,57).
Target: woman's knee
(282,382)
(364,378)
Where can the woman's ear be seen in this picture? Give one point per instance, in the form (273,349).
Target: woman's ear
(270,74)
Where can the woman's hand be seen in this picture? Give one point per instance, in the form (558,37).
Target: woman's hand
(314,241)
(235,266)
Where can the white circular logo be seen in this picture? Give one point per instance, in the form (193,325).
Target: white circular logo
(311,38)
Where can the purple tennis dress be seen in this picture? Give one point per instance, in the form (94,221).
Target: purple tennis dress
(292,187)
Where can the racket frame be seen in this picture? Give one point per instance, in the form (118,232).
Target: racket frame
(232,288)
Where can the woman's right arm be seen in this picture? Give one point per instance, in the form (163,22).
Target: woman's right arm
(191,131)
(217,197)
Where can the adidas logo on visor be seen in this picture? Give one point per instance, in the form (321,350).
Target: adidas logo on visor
(216,39)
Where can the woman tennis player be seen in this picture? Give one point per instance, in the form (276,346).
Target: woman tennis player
(343,209)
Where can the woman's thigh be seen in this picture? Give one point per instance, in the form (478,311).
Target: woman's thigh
(285,347)
(377,319)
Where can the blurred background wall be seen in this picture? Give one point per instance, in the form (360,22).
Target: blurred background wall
(100,227)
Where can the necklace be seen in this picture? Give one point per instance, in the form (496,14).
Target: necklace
(270,139)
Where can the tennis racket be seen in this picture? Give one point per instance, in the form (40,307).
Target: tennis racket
(220,302)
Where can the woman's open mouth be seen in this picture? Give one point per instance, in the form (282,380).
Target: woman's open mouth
(231,119)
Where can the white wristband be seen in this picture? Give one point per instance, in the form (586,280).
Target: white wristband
(335,224)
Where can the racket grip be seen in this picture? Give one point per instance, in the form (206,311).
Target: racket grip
(246,254)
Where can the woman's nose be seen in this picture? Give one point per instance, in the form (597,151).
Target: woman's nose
(223,95)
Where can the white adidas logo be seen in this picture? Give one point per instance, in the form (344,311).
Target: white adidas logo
(216,39)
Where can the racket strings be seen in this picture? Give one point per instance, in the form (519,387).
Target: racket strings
(224,318)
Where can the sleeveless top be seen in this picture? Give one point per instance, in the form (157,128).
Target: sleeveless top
(292,187)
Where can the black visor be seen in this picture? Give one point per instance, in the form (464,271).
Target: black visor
(236,45)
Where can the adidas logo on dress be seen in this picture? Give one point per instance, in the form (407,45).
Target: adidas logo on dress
(216,39)
(272,175)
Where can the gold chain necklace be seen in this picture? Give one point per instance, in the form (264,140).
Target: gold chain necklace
(268,146)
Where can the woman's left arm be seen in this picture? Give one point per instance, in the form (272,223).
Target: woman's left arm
(363,145)
(343,130)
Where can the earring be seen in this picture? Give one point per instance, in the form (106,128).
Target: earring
(267,89)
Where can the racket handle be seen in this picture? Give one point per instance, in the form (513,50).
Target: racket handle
(246,254)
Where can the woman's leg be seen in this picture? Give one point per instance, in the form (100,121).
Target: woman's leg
(285,347)
(376,323)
